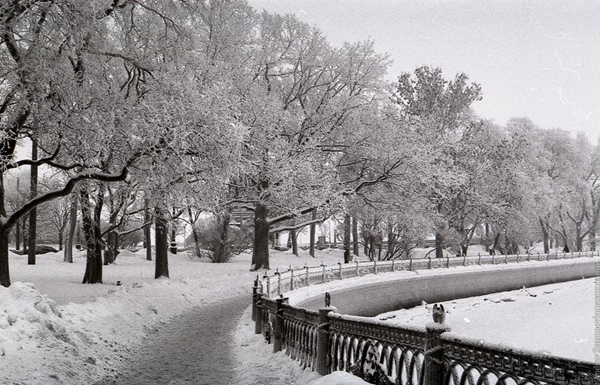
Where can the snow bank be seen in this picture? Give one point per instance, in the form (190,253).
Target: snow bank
(77,343)
(27,316)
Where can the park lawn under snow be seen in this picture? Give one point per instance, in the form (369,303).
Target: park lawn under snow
(54,330)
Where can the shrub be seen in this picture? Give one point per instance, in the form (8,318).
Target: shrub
(211,231)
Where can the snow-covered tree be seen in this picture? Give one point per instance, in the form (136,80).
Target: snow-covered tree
(297,99)
(439,110)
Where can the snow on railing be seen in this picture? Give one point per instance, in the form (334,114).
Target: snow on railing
(280,282)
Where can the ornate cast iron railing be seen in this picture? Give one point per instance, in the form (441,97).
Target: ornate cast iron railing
(397,352)
(284,281)
(469,361)
(384,354)
(300,334)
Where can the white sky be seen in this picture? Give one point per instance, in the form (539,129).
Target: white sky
(534,58)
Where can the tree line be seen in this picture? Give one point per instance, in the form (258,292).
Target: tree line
(162,109)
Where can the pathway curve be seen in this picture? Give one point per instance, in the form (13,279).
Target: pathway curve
(194,348)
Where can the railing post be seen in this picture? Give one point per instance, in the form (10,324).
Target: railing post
(307,275)
(278,326)
(278,274)
(323,357)
(434,368)
(255,291)
(259,315)
(479,261)
(374,266)
(356,268)
(323,273)
(340,265)
(291,278)
(268,292)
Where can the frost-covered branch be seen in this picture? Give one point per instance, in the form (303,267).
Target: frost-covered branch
(66,190)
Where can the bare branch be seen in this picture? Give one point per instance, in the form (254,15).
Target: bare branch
(66,190)
(298,226)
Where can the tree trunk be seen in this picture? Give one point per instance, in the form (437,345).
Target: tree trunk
(32,194)
(260,250)
(147,236)
(173,240)
(439,238)
(392,242)
(222,251)
(439,245)
(19,227)
(313,235)
(4,240)
(25,233)
(496,245)
(347,240)
(592,239)
(32,237)
(546,236)
(195,233)
(92,233)
(72,227)
(355,249)
(161,235)
(111,249)
(4,271)
(112,242)
(366,237)
(196,240)
(18,236)
(294,235)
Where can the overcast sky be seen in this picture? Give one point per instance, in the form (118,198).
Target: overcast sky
(538,58)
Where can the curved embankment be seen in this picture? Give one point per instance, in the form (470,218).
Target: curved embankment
(405,292)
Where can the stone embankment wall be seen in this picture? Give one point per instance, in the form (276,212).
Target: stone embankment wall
(389,295)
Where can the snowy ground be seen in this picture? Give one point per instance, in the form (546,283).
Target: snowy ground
(54,330)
